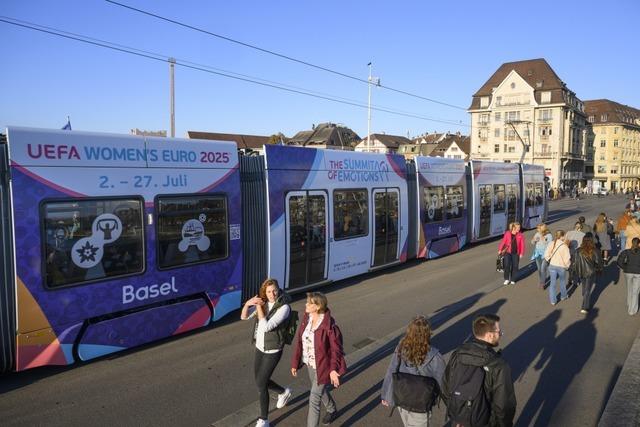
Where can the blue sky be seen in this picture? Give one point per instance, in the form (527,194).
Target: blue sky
(439,50)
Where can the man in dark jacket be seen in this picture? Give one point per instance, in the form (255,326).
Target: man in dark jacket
(479,353)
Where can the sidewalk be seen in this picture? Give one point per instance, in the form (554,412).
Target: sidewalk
(564,364)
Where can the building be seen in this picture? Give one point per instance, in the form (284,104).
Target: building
(525,112)
(616,129)
(422,145)
(140,132)
(383,143)
(453,146)
(326,135)
(246,143)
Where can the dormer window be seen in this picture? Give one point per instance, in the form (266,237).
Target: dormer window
(545,97)
(484,102)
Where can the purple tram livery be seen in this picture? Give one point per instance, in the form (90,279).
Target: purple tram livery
(441,208)
(117,241)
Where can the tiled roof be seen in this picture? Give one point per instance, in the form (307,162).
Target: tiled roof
(391,141)
(536,72)
(613,112)
(326,134)
(243,141)
(462,141)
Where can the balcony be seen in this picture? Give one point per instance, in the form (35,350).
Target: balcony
(545,119)
(545,154)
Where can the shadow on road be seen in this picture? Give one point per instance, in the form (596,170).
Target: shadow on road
(561,360)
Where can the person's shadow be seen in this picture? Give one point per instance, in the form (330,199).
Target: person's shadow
(562,359)
(523,350)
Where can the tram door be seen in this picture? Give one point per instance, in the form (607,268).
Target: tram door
(306,237)
(512,203)
(385,223)
(485,210)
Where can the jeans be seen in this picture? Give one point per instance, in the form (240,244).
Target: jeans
(510,266)
(542,272)
(557,273)
(319,392)
(623,240)
(413,419)
(587,287)
(264,365)
(633,292)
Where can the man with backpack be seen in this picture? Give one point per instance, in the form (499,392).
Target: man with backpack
(477,386)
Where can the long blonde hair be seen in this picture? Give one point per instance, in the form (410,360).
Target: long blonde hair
(600,224)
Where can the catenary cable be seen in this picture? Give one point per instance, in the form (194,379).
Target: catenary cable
(211,70)
(280,55)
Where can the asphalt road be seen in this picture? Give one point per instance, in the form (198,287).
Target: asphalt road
(565,364)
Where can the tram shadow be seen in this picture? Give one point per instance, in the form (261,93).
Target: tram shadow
(560,214)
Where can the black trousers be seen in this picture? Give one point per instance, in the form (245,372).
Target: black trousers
(264,365)
(511,262)
(587,287)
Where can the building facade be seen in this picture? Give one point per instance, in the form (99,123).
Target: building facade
(383,143)
(616,132)
(524,112)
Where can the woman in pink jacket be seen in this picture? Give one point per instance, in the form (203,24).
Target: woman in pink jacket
(511,249)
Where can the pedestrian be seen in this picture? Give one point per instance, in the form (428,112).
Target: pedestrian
(477,386)
(269,309)
(319,346)
(541,239)
(632,230)
(585,228)
(621,226)
(629,262)
(559,258)
(511,248)
(601,232)
(632,206)
(587,265)
(414,355)
(573,239)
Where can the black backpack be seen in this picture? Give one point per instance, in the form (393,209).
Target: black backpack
(468,404)
(415,393)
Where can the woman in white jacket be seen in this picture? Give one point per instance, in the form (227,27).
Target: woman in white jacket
(559,258)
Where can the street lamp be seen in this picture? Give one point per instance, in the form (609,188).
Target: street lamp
(376,81)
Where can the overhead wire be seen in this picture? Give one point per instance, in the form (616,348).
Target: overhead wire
(280,55)
(208,69)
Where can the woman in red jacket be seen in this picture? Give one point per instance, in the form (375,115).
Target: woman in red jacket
(512,249)
(319,346)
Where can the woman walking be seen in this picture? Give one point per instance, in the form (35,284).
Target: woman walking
(559,259)
(270,310)
(541,240)
(601,232)
(414,355)
(629,262)
(511,249)
(319,346)
(586,265)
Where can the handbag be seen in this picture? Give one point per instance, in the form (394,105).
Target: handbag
(500,263)
(545,261)
(414,393)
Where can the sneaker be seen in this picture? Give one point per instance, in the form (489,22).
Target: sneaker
(506,282)
(512,282)
(262,423)
(554,303)
(583,311)
(328,418)
(283,398)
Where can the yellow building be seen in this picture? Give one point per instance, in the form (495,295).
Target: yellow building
(616,129)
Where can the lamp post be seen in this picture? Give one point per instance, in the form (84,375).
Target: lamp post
(172,98)
(376,81)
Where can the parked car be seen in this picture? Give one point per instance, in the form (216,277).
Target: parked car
(601,191)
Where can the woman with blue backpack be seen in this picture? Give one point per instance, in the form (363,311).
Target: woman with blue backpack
(414,376)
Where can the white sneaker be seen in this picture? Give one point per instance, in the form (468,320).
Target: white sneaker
(512,282)
(506,282)
(283,398)
(262,423)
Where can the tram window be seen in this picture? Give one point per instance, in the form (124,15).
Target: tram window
(539,196)
(350,214)
(498,198)
(455,202)
(91,240)
(531,195)
(433,199)
(191,229)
